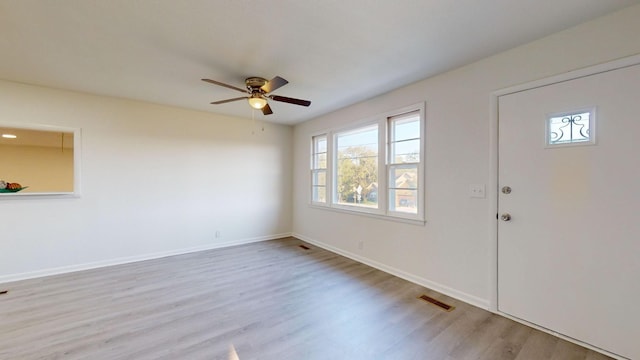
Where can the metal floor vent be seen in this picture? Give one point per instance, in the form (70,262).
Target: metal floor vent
(437,303)
(304,247)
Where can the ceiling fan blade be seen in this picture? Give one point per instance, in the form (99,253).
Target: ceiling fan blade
(290,100)
(228,100)
(273,84)
(266,110)
(225,85)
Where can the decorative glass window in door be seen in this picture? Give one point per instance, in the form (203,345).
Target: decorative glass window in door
(570,128)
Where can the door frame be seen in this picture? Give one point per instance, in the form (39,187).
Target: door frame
(492,189)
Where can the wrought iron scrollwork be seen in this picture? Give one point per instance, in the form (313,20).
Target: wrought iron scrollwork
(575,129)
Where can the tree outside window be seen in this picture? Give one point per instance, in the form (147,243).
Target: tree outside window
(357,167)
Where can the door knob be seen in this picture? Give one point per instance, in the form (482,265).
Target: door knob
(505,217)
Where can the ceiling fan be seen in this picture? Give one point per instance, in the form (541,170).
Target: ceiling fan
(258,90)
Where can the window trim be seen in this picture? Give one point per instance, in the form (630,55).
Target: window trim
(383,211)
(420,214)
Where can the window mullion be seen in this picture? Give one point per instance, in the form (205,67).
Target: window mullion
(383,193)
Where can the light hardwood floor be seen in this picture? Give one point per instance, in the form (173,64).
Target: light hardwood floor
(268,300)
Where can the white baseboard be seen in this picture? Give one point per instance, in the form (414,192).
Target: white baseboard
(470,299)
(131,259)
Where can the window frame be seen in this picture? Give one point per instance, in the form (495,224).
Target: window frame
(419,166)
(334,173)
(317,170)
(384,168)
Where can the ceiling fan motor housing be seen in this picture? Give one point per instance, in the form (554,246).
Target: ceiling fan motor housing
(255,83)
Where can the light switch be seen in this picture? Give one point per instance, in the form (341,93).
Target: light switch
(477,191)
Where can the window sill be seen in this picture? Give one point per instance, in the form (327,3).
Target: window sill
(368,214)
(45,195)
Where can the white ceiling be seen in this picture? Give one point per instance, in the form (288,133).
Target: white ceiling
(334,53)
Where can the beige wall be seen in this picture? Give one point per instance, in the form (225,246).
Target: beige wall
(42,169)
(155,180)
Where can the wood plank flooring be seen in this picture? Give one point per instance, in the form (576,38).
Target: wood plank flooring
(268,300)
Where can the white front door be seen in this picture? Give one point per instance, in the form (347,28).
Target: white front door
(569,256)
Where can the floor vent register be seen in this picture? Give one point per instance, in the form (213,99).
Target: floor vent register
(440,304)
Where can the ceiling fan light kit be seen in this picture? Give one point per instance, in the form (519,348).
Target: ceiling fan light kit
(258,90)
(257,102)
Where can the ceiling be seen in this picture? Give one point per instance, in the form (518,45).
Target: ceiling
(334,53)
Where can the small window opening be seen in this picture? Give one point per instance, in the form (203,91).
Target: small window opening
(570,128)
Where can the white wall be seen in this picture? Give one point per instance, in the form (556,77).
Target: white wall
(155,180)
(455,251)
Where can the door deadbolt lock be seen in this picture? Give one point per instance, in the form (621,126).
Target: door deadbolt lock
(506,190)
(505,217)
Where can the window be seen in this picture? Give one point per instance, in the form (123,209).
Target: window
(356,167)
(319,169)
(575,128)
(375,168)
(404,162)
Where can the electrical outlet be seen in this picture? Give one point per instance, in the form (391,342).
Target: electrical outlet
(360,244)
(218,235)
